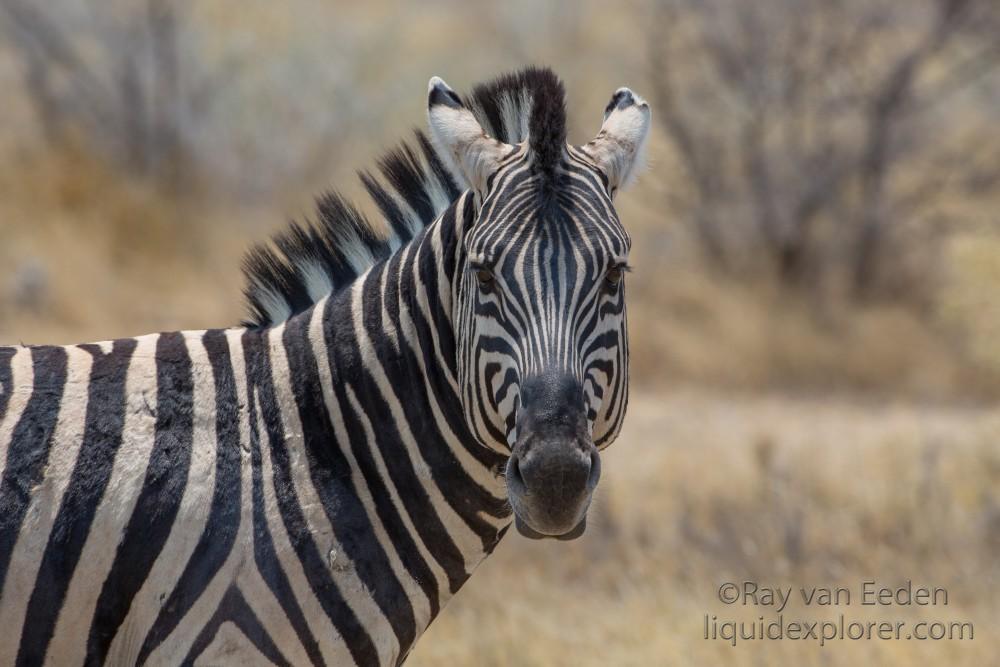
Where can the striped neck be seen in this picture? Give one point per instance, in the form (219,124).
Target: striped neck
(373,393)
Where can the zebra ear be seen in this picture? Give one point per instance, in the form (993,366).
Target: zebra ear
(618,149)
(461,143)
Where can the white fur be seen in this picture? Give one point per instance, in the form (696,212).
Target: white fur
(191,516)
(619,148)
(19,387)
(461,142)
(274,304)
(31,543)
(116,506)
(316,279)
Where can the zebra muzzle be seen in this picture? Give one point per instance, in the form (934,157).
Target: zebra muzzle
(554,466)
(550,491)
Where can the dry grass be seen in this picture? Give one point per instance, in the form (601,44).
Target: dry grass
(686,325)
(886,470)
(704,488)
(968,303)
(88,255)
(705,485)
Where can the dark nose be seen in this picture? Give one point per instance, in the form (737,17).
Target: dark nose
(550,403)
(543,470)
(550,487)
(554,466)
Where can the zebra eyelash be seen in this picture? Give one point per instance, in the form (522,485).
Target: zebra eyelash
(483,274)
(479,266)
(613,286)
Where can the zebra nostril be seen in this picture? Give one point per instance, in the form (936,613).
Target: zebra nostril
(595,470)
(515,480)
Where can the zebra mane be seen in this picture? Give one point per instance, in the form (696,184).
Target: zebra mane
(410,187)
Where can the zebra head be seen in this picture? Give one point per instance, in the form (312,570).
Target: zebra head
(539,292)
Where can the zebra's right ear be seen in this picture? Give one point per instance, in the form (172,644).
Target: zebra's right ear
(462,144)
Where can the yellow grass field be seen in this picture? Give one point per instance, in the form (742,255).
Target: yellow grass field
(791,439)
(759,445)
(702,489)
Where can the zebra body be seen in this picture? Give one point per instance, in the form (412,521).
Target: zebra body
(313,491)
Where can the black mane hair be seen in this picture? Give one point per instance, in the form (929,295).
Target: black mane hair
(539,93)
(305,262)
(410,187)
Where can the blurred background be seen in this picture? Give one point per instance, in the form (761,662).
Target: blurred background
(814,312)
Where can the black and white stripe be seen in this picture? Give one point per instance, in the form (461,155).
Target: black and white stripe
(314,488)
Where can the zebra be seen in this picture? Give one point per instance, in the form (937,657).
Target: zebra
(313,486)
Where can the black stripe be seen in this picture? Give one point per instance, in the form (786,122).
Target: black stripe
(29,446)
(437,167)
(234,608)
(356,535)
(387,205)
(261,390)
(160,498)
(346,363)
(317,432)
(462,492)
(223,521)
(438,322)
(6,381)
(102,436)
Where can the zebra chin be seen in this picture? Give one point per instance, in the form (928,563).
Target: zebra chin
(554,466)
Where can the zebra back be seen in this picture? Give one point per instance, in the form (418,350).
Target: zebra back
(410,187)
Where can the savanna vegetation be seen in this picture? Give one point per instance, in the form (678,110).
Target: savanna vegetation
(814,316)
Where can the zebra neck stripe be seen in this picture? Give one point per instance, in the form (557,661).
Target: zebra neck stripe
(30,442)
(289,581)
(233,608)
(223,518)
(309,424)
(160,495)
(70,595)
(27,555)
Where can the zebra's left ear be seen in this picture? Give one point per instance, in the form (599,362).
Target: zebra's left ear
(460,140)
(619,147)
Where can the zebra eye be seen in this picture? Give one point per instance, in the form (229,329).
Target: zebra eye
(613,276)
(484,276)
